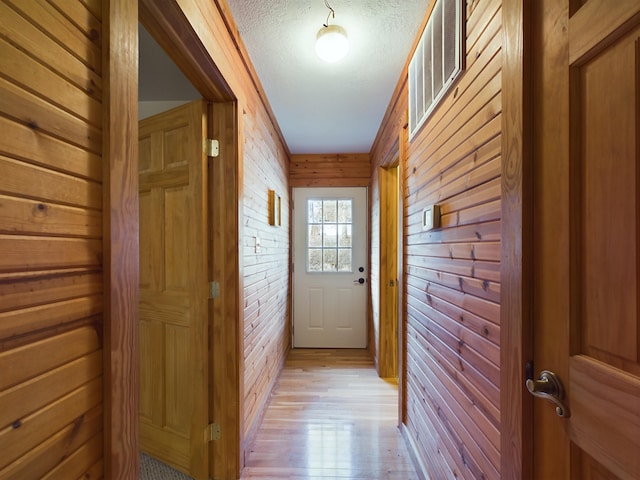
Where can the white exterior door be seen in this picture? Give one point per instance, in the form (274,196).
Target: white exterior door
(330,277)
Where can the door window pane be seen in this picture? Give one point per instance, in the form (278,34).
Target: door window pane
(345,211)
(315,211)
(330,211)
(344,237)
(314,263)
(330,260)
(329,235)
(315,236)
(344,260)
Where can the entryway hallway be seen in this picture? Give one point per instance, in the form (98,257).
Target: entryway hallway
(330,417)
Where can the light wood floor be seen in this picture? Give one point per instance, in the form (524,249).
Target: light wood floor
(330,417)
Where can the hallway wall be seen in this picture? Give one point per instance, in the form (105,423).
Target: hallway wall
(264,323)
(52,261)
(265,273)
(452,274)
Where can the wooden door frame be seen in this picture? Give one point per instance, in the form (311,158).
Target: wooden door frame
(516,444)
(387,362)
(120,237)
(168,24)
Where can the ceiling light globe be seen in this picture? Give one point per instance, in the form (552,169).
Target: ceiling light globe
(332,44)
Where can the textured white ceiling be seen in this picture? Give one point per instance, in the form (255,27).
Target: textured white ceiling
(321,107)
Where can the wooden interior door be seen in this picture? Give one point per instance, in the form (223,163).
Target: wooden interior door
(586,263)
(173,289)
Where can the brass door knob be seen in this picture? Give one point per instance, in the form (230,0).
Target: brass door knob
(549,387)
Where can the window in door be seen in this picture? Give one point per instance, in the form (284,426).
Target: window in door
(329,235)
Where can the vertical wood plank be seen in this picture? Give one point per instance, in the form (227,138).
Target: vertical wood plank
(226,389)
(388,323)
(120,151)
(515,271)
(403,136)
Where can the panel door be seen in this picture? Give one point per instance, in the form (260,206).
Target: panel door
(173,289)
(586,236)
(330,271)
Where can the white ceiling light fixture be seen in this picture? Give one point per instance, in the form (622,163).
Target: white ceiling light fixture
(332,44)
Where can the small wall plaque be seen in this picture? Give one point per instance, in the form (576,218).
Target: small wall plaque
(275,209)
(431,217)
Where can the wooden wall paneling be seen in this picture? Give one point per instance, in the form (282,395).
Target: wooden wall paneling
(32,147)
(54,21)
(26,36)
(45,422)
(266,268)
(33,395)
(44,456)
(25,106)
(51,229)
(330,170)
(452,275)
(479,453)
(34,76)
(66,188)
(19,363)
(86,460)
(120,153)
(482,392)
(445,444)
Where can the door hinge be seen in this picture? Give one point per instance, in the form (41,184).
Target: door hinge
(212,147)
(214,289)
(214,432)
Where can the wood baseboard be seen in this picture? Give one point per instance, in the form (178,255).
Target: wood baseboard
(421,468)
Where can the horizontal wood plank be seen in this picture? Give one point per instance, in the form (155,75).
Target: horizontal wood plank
(51,20)
(47,253)
(79,463)
(26,181)
(83,17)
(46,50)
(21,322)
(45,456)
(329,170)
(21,290)
(34,394)
(32,217)
(28,432)
(33,146)
(30,109)
(21,364)
(31,75)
